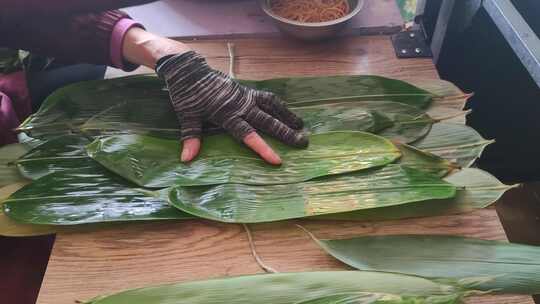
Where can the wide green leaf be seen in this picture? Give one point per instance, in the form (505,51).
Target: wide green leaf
(476,189)
(12,228)
(140,103)
(282,288)
(342,117)
(398,121)
(157,118)
(59,154)
(8,171)
(66,109)
(237,203)
(154,162)
(319,90)
(513,268)
(455,142)
(68,152)
(86,196)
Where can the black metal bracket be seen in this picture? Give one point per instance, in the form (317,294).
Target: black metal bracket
(411,44)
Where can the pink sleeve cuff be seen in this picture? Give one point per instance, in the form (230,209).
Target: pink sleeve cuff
(117,40)
(8,121)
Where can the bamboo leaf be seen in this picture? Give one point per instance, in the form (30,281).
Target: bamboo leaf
(237,203)
(86,196)
(8,171)
(379,298)
(423,161)
(58,154)
(322,119)
(442,89)
(319,90)
(455,142)
(450,99)
(282,288)
(513,268)
(29,142)
(476,189)
(399,121)
(117,103)
(69,107)
(12,228)
(161,121)
(393,120)
(153,162)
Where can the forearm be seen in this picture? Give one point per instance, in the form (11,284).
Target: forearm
(75,39)
(144,48)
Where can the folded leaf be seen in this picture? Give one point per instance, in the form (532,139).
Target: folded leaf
(154,163)
(423,161)
(238,203)
(476,189)
(455,142)
(393,120)
(513,268)
(86,196)
(282,288)
(59,154)
(340,117)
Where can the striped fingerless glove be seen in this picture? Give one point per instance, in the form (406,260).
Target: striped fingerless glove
(201,94)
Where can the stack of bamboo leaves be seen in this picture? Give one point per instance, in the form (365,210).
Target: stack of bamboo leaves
(107,151)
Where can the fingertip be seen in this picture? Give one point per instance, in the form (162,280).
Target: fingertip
(301,140)
(257,144)
(297,124)
(190,150)
(273,159)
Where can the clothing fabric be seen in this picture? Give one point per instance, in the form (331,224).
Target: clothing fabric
(8,120)
(71,31)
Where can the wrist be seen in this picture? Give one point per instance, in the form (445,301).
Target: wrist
(144,48)
(188,67)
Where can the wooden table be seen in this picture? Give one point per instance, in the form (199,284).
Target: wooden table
(85,264)
(245,18)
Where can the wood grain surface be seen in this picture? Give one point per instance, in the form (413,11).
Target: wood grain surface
(270,58)
(90,262)
(85,264)
(210,18)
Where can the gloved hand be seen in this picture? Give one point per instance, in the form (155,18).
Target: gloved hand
(201,94)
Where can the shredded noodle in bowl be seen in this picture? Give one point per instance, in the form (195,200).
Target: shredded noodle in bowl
(310,11)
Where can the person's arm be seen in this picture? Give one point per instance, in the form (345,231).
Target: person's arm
(200,93)
(144,48)
(89,38)
(70,30)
